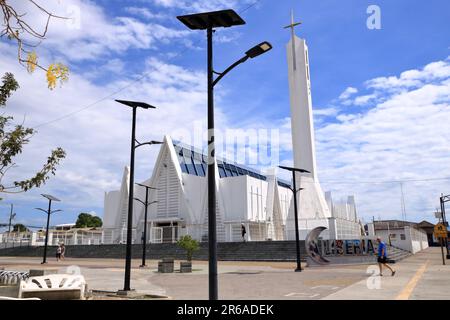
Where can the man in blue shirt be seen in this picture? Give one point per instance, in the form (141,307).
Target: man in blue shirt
(382,256)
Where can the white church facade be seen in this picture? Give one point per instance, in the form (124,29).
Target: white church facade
(261,202)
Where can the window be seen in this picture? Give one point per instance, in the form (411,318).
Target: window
(200,168)
(402,236)
(222,173)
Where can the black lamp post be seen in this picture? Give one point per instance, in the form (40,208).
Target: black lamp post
(11,218)
(48,212)
(443,199)
(295,190)
(134,105)
(146,204)
(208,21)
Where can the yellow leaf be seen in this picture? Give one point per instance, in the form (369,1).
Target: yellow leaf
(31,62)
(55,72)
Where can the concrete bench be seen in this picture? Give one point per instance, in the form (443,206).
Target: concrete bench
(12,277)
(8,298)
(54,287)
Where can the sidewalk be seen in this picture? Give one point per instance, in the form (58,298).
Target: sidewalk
(419,277)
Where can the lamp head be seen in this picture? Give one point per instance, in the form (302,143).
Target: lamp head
(259,49)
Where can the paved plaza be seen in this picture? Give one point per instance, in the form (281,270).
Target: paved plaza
(421,276)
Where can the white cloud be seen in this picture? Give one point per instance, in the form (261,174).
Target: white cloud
(412,78)
(202,5)
(348,93)
(97,139)
(145,13)
(402,137)
(327,112)
(363,100)
(92,33)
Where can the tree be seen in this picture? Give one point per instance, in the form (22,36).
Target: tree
(86,220)
(19,228)
(16,27)
(12,140)
(188,244)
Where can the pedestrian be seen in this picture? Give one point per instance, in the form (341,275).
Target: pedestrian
(243,231)
(382,257)
(63,251)
(58,253)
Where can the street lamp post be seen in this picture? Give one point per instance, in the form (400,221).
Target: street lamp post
(11,217)
(209,21)
(295,190)
(146,204)
(443,199)
(48,212)
(134,105)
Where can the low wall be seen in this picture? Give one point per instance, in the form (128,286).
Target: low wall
(226,251)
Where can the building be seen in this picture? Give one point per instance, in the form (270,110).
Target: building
(401,234)
(261,202)
(64,227)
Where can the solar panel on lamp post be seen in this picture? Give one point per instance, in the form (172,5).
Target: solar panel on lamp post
(209,21)
(134,105)
(48,212)
(295,190)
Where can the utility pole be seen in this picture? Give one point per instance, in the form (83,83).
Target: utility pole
(403,202)
(443,199)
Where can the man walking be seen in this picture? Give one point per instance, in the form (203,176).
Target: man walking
(382,257)
(243,231)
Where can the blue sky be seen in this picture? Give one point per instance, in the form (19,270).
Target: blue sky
(381,97)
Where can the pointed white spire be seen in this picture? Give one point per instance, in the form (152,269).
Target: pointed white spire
(292,27)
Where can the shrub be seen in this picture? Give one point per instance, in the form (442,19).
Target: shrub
(188,244)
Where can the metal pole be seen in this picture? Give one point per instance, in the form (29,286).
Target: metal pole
(145,227)
(130,207)
(44,261)
(444,219)
(212,236)
(297,238)
(10,219)
(442,251)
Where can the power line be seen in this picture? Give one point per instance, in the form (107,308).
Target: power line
(70,114)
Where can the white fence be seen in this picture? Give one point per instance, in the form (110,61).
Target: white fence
(71,237)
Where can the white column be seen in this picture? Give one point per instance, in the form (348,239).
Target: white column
(332,229)
(371,229)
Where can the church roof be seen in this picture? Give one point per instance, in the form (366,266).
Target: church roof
(194,162)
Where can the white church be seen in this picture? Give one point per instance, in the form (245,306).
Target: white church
(263,203)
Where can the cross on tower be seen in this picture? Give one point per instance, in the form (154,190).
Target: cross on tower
(292,27)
